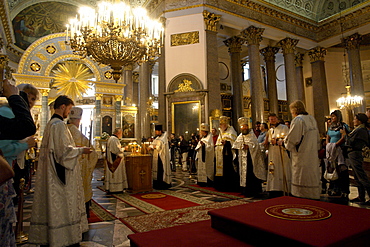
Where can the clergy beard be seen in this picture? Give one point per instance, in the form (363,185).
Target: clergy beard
(245,132)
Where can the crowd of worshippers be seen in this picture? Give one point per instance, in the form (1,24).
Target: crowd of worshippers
(285,156)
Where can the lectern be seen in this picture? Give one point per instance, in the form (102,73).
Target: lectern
(139,172)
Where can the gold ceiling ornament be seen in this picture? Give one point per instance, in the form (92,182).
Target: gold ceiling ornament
(71,78)
(115,35)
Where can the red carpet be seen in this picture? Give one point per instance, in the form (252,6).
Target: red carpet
(167,202)
(198,234)
(99,214)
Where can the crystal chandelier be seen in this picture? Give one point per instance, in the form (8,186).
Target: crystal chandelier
(349,102)
(115,35)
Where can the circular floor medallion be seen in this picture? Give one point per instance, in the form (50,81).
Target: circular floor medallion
(153,196)
(298,212)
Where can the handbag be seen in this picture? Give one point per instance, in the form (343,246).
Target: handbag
(6,171)
(331,173)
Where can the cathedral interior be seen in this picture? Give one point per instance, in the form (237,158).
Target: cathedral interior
(229,57)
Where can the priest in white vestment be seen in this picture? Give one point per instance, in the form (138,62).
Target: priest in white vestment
(279,164)
(205,157)
(226,174)
(161,169)
(58,211)
(303,142)
(87,161)
(115,172)
(252,169)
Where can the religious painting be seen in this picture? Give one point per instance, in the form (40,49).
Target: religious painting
(226,104)
(128,126)
(106,125)
(39,20)
(107,100)
(186,118)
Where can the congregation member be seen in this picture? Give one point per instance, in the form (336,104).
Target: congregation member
(356,141)
(205,157)
(257,128)
(16,128)
(226,174)
(87,162)
(262,136)
(161,169)
(173,147)
(303,142)
(58,212)
(279,165)
(287,123)
(252,169)
(115,172)
(334,156)
(193,142)
(183,146)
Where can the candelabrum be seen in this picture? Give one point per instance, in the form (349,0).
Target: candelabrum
(115,35)
(135,148)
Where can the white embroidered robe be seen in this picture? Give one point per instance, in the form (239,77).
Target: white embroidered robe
(162,149)
(306,171)
(116,181)
(87,161)
(205,169)
(228,135)
(259,168)
(58,212)
(280,180)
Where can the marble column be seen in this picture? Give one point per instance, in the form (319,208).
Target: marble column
(269,57)
(319,86)
(352,44)
(161,90)
(253,36)
(213,78)
(44,109)
(135,84)
(129,88)
(235,47)
(117,108)
(144,117)
(288,46)
(299,76)
(98,98)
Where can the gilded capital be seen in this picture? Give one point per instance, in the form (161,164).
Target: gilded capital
(118,97)
(98,96)
(298,59)
(234,43)
(44,92)
(3,61)
(288,45)
(317,54)
(253,35)
(269,53)
(353,41)
(211,20)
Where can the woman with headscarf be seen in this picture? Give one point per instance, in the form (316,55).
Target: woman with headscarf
(334,155)
(356,141)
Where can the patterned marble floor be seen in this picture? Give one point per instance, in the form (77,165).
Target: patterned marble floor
(114,233)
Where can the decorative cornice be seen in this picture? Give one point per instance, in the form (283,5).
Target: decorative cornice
(299,59)
(269,53)
(41,82)
(5,24)
(109,88)
(288,45)
(234,43)
(211,20)
(353,41)
(253,35)
(317,54)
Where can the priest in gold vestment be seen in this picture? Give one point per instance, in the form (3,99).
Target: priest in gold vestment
(87,161)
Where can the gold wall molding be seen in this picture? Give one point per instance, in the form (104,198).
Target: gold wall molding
(188,38)
(185,86)
(109,88)
(36,80)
